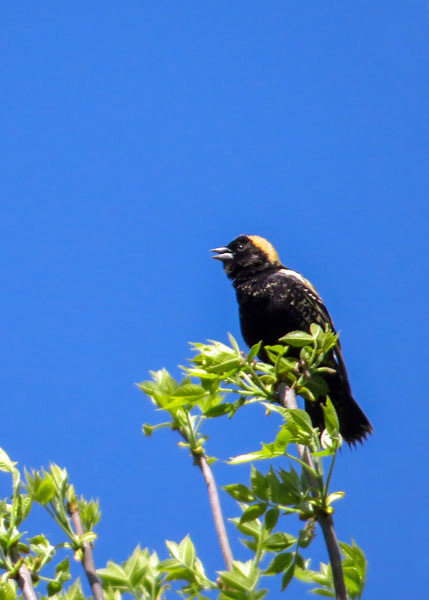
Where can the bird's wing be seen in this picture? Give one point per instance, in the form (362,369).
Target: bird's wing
(312,294)
(321,309)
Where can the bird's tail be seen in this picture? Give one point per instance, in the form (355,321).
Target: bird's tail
(354,424)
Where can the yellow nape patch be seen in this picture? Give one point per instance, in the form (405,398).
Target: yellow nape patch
(266,248)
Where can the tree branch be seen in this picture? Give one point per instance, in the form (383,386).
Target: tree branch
(25,582)
(287,398)
(201,461)
(326,523)
(23,576)
(88,558)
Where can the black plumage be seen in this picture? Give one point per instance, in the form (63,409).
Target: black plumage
(274,300)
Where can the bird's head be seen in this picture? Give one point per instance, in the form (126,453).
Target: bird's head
(247,254)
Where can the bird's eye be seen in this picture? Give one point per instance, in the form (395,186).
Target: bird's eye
(240,246)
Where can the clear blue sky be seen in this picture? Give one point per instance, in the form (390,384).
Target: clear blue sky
(138,135)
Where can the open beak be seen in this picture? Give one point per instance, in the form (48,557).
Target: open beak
(223,254)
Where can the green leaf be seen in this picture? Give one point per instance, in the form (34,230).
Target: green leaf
(90,513)
(271,518)
(287,577)
(282,439)
(279,541)
(334,496)
(219,410)
(169,564)
(7,590)
(251,544)
(161,388)
(259,484)
(235,580)
(165,381)
(227,366)
(53,587)
(233,342)
(291,479)
(268,451)
(251,528)
(189,390)
(353,581)
(253,512)
(187,552)
(38,540)
(148,387)
(276,350)
(317,384)
(242,458)
(254,351)
(59,477)
(329,340)
(45,491)
(114,575)
(173,548)
(297,339)
(275,353)
(300,418)
(23,507)
(356,555)
(280,563)
(74,592)
(331,418)
(137,566)
(300,426)
(288,491)
(233,595)
(240,492)
(63,566)
(180,401)
(181,573)
(5,463)
(304,574)
(88,537)
(316,330)
(354,568)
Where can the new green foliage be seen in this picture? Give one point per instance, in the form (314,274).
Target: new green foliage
(285,491)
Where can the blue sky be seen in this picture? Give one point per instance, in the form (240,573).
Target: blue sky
(138,135)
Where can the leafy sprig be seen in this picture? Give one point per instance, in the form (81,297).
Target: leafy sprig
(218,382)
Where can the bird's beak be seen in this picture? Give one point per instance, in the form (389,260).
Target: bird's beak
(223,254)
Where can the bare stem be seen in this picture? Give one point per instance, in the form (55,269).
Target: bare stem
(287,399)
(326,523)
(88,558)
(23,577)
(25,583)
(201,461)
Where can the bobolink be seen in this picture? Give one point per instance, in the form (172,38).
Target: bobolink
(274,300)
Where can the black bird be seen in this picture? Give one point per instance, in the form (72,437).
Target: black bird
(274,300)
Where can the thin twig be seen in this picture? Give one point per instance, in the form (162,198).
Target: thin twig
(287,399)
(88,558)
(201,461)
(26,583)
(326,523)
(23,577)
